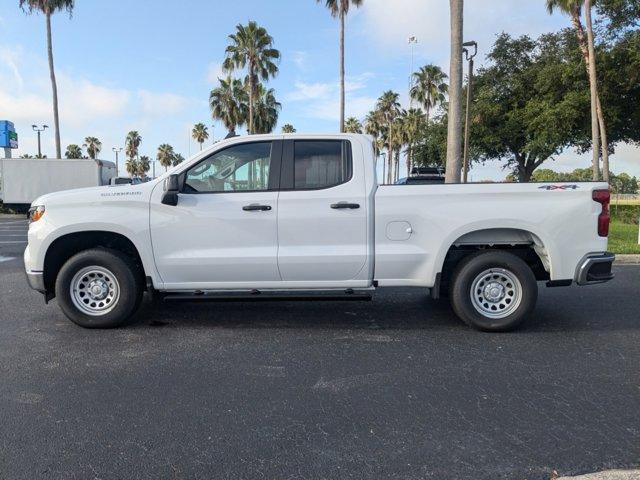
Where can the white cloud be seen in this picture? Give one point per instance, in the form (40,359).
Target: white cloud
(161,104)
(310,91)
(300,59)
(214,71)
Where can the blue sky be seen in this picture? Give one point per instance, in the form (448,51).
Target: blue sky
(149,64)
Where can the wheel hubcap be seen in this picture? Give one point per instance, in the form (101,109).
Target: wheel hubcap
(496,293)
(95,290)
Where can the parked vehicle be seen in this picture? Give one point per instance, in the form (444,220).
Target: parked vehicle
(303,215)
(22,180)
(423,176)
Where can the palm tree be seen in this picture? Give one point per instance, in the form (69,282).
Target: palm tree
(73,152)
(454,129)
(573,8)
(288,128)
(132,143)
(165,155)
(177,159)
(144,164)
(266,110)
(26,155)
(252,47)
(414,122)
(352,125)
(429,87)
(340,8)
(49,7)
(132,167)
(388,108)
(228,103)
(372,127)
(200,133)
(93,146)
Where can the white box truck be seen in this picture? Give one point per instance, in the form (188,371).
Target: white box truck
(22,180)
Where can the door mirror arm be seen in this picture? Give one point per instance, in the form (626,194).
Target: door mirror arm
(171,190)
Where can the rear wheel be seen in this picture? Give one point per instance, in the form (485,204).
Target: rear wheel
(99,288)
(493,291)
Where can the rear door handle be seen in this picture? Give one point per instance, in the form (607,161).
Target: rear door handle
(351,206)
(256,207)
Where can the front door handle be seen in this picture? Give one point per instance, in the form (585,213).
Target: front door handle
(351,206)
(256,207)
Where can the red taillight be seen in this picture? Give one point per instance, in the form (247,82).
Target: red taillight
(603,197)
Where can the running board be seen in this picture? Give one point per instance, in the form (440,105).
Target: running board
(260,296)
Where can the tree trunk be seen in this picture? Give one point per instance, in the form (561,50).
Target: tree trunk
(389,164)
(342,100)
(593,84)
(454,131)
(54,87)
(584,48)
(409,160)
(251,92)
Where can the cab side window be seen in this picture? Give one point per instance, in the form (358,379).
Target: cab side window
(240,168)
(320,164)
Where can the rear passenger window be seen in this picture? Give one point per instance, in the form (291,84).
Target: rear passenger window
(321,164)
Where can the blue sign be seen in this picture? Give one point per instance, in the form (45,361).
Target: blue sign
(8,135)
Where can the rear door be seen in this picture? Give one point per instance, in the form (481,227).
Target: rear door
(322,215)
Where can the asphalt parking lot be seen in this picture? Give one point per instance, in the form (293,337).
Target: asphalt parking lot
(393,388)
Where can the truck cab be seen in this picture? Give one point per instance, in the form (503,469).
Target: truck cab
(305,214)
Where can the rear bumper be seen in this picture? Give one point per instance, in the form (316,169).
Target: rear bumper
(595,268)
(36,281)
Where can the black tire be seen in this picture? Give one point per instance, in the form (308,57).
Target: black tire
(127,278)
(493,269)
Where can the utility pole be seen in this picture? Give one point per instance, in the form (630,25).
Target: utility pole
(467,122)
(39,130)
(117,150)
(413,41)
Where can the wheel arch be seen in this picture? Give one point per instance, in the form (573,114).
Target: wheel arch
(69,244)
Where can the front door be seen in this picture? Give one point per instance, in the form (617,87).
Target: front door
(223,232)
(322,215)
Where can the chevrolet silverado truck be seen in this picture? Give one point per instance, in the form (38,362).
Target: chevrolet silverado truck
(303,217)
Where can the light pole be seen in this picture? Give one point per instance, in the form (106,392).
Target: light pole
(117,150)
(39,130)
(469,56)
(412,41)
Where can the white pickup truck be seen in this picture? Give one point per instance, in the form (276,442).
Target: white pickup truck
(304,216)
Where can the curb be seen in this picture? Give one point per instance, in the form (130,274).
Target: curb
(627,260)
(608,475)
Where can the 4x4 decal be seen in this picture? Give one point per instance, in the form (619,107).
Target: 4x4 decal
(559,187)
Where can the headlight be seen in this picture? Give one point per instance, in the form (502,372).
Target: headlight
(35,213)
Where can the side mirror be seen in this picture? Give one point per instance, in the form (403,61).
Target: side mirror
(171,189)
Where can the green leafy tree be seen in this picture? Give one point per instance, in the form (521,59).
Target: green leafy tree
(48,8)
(73,152)
(144,164)
(574,8)
(228,103)
(429,88)
(413,123)
(251,47)
(266,110)
(288,128)
(132,167)
(431,146)
(340,9)
(165,155)
(352,125)
(530,104)
(93,146)
(132,143)
(177,159)
(200,133)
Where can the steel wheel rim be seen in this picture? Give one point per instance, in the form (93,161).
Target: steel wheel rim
(94,290)
(496,293)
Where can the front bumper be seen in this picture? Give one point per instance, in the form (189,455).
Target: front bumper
(36,281)
(595,268)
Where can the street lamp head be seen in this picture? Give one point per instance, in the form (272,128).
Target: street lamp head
(45,126)
(34,127)
(473,44)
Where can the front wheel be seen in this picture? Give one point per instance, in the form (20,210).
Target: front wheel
(98,288)
(493,291)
